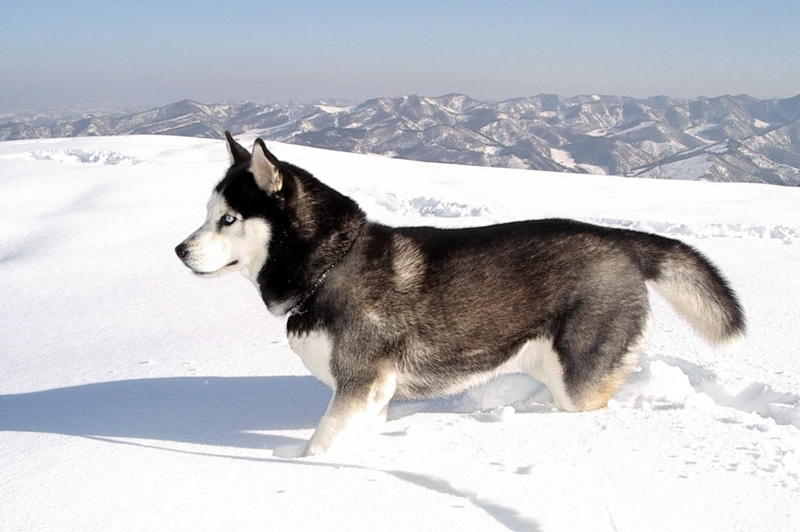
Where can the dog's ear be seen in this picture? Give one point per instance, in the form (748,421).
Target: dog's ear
(238,153)
(266,169)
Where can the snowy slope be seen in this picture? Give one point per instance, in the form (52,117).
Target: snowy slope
(134,396)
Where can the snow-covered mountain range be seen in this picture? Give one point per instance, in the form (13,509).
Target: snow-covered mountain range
(729,138)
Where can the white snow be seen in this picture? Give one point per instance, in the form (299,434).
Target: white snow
(637,127)
(562,157)
(592,169)
(696,167)
(720,147)
(134,396)
(597,132)
(332,109)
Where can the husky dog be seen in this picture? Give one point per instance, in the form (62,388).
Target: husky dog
(379,312)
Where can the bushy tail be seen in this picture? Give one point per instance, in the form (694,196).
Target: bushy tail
(692,285)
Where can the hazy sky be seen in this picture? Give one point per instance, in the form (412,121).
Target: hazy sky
(56,53)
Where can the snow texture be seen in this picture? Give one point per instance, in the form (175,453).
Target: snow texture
(134,396)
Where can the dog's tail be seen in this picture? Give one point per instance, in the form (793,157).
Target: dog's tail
(692,285)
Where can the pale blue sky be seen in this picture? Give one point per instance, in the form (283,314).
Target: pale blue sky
(156,52)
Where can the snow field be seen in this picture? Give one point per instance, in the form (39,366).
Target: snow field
(135,396)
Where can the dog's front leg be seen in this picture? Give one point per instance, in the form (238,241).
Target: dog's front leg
(354,406)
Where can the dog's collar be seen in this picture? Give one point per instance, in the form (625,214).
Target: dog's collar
(297,309)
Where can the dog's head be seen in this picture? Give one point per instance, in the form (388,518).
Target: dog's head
(236,233)
(274,222)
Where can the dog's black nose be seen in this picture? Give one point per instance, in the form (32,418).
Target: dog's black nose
(182,250)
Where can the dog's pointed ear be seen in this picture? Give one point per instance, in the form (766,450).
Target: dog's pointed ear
(266,169)
(237,152)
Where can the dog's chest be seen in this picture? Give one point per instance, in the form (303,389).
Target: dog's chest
(314,349)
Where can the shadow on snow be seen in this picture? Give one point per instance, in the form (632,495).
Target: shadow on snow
(222,411)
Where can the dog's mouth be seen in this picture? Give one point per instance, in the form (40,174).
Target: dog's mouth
(216,272)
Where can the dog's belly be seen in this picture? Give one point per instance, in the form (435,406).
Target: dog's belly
(535,357)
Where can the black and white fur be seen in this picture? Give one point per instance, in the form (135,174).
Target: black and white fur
(381,312)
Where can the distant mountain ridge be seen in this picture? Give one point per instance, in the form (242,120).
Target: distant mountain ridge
(728,138)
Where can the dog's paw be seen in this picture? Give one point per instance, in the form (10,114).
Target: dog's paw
(314,448)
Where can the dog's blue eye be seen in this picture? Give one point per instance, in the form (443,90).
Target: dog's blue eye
(227,220)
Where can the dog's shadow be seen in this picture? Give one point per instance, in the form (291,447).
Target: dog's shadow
(222,411)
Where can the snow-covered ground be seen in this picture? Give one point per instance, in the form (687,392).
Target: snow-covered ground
(134,396)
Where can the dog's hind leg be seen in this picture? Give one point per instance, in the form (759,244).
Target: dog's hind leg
(594,374)
(355,405)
